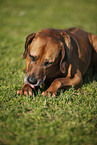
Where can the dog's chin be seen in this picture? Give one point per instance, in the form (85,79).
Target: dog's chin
(39,82)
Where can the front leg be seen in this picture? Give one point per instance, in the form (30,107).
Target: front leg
(63,82)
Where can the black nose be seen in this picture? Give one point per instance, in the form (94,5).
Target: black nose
(32,80)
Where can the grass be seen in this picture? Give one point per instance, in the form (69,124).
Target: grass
(69,119)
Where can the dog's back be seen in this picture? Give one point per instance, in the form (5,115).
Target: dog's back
(84,37)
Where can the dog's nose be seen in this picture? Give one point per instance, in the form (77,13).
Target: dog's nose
(32,80)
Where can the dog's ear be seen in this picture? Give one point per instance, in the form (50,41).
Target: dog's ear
(65,52)
(29,39)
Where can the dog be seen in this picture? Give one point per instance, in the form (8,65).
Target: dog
(58,59)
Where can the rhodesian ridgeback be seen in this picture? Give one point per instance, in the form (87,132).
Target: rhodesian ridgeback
(58,59)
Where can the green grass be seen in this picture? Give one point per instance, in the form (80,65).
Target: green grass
(69,119)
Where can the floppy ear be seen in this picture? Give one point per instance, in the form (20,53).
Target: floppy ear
(28,41)
(65,52)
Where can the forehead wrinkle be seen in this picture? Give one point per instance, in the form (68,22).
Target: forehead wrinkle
(37,46)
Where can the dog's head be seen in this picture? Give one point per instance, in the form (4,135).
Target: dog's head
(45,56)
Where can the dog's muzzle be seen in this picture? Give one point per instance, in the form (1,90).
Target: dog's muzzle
(34,82)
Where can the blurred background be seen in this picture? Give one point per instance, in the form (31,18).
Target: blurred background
(21,17)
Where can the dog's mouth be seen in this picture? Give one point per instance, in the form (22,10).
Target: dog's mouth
(39,82)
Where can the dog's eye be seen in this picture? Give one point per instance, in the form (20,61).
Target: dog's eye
(33,58)
(47,63)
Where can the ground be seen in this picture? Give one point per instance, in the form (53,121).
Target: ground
(71,117)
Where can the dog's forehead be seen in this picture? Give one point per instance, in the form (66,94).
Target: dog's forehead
(48,48)
(52,50)
(36,46)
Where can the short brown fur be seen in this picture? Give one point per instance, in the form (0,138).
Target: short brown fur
(59,58)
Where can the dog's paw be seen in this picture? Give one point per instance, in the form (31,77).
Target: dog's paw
(26,90)
(53,89)
(49,93)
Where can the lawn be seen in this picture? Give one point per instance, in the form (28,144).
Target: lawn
(71,117)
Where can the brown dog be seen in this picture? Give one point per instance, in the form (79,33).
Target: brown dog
(58,58)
